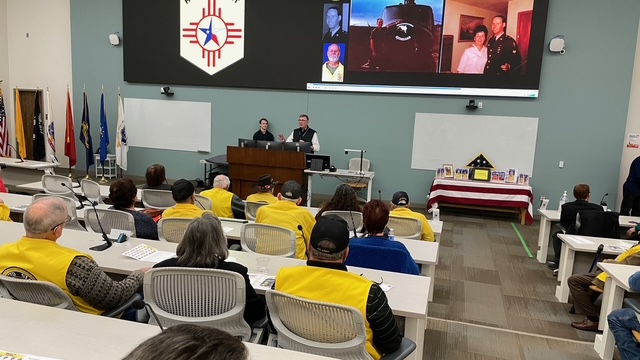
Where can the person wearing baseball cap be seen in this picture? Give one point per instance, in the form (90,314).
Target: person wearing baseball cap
(184,194)
(400,208)
(265,188)
(286,213)
(325,278)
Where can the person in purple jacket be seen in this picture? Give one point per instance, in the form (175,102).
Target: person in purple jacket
(622,321)
(631,190)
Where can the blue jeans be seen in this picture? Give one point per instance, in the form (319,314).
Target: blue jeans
(621,322)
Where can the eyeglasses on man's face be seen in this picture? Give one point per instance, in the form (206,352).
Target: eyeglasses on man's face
(62,223)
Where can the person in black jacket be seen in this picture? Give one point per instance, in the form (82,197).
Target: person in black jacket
(205,246)
(568,213)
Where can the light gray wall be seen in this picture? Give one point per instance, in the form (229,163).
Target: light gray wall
(584,97)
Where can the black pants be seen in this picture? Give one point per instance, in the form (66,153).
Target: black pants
(630,202)
(557,246)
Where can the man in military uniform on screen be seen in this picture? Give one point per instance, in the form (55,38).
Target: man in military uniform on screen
(503,56)
(335,34)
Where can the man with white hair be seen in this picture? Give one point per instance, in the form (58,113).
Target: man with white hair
(225,203)
(333,70)
(286,213)
(37,256)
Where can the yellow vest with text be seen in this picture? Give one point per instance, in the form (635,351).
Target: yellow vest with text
(184,211)
(632,251)
(332,286)
(289,215)
(221,200)
(265,197)
(42,260)
(427,232)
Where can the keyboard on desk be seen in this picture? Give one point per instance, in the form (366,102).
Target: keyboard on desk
(348,172)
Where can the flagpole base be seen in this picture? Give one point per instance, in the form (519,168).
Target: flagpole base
(103,180)
(87,177)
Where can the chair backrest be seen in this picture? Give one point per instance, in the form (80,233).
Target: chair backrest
(204,202)
(91,189)
(52,184)
(74,223)
(157,199)
(354,164)
(317,327)
(381,258)
(251,209)
(405,227)
(353,218)
(207,297)
(172,229)
(598,223)
(37,292)
(109,219)
(268,240)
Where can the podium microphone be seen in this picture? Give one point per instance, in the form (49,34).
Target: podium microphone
(141,304)
(17,152)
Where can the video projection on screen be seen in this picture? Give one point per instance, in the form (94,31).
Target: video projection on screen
(461,47)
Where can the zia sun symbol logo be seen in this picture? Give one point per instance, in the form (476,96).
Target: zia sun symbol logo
(212,33)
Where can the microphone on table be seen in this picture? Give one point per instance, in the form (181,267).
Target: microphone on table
(602,202)
(17,152)
(306,252)
(141,304)
(379,194)
(595,259)
(81,198)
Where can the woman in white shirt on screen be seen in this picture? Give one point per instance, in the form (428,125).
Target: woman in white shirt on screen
(475,56)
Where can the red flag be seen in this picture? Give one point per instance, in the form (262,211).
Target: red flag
(70,135)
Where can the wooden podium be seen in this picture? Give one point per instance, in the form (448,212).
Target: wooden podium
(247,164)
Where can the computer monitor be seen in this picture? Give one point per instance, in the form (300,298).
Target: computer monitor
(304,147)
(269,145)
(246,143)
(326,160)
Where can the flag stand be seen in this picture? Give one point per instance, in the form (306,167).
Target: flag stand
(103,180)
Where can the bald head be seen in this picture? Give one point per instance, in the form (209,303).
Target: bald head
(43,215)
(221,182)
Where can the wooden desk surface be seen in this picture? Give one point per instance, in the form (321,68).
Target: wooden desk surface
(44,331)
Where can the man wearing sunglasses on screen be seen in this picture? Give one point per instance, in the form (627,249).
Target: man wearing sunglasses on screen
(37,256)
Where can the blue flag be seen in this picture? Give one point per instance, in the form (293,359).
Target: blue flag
(104,132)
(85,134)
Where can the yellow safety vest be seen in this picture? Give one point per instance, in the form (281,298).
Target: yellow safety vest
(221,200)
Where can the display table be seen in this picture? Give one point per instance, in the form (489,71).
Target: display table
(472,194)
(18,172)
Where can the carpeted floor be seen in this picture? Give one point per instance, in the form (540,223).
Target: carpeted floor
(492,301)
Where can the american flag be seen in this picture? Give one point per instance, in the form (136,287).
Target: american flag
(4,130)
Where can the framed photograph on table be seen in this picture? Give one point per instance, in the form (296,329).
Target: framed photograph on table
(458,174)
(523,179)
(465,174)
(497,176)
(448,170)
(512,176)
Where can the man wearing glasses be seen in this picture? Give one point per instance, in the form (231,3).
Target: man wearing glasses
(37,256)
(303,134)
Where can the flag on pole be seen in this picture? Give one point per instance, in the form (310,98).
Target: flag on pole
(104,131)
(122,147)
(4,129)
(70,135)
(38,130)
(50,132)
(85,134)
(22,146)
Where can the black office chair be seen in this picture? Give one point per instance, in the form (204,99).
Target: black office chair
(598,223)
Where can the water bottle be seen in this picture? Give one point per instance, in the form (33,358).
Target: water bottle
(392,236)
(563,200)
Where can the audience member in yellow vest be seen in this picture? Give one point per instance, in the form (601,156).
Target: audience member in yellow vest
(5,211)
(225,203)
(188,341)
(184,194)
(37,256)
(325,278)
(286,213)
(584,297)
(264,187)
(400,207)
